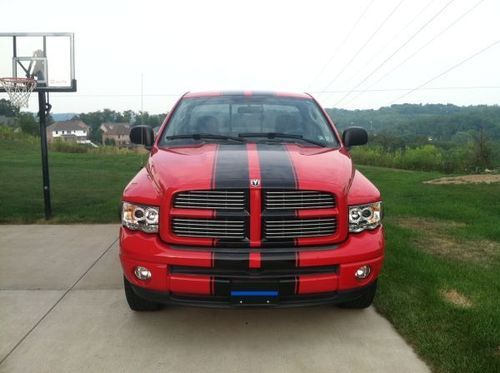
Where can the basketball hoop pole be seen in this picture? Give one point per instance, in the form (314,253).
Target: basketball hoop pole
(43,112)
(25,67)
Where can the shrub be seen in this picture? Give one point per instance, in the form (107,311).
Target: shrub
(426,158)
(68,147)
(459,159)
(109,149)
(28,124)
(73,147)
(15,134)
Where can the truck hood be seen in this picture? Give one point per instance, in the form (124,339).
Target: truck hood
(227,166)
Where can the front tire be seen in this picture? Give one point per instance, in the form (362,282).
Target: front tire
(136,303)
(364,301)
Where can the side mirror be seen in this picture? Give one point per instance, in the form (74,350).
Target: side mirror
(142,135)
(354,136)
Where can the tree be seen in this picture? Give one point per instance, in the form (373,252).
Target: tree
(483,154)
(152,120)
(28,124)
(7,109)
(129,116)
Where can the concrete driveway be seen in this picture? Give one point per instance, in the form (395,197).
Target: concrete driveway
(62,308)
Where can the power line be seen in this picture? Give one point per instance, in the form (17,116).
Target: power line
(364,45)
(336,52)
(118,95)
(379,51)
(398,49)
(419,49)
(409,89)
(446,71)
(313,92)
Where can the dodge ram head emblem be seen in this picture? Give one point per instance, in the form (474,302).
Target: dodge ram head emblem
(255,182)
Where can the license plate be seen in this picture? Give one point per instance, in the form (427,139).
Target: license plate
(254,297)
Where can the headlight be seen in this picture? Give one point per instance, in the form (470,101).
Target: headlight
(363,217)
(137,217)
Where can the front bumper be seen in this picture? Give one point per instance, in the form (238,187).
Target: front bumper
(227,302)
(217,277)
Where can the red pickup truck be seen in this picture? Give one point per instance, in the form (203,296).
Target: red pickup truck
(250,199)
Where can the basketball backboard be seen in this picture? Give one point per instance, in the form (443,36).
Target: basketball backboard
(46,57)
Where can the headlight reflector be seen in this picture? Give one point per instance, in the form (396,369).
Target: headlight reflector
(143,218)
(363,217)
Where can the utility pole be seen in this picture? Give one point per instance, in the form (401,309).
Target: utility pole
(142,92)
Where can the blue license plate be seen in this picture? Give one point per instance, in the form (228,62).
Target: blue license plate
(254,293)
(254,297)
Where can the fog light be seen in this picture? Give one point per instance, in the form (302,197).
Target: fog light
(363,272)
(142,273)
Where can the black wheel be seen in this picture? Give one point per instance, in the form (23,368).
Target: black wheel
(137,303)
(364,301)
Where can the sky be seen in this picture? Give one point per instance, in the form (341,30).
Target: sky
(349,54)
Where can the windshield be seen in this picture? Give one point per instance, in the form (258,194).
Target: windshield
(250,118)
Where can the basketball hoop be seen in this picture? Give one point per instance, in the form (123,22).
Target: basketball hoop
(19,90)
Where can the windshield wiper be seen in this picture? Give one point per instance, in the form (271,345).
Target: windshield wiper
(201,136)
(279,135)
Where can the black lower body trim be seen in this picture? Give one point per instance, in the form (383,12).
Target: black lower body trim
(247,273)
(224,301)
(238,249)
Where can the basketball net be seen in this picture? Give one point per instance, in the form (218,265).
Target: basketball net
(19,90)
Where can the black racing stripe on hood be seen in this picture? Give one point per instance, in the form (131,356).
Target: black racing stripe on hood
(276,168)
(231,167)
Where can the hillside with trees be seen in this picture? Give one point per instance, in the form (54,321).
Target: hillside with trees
(446,138)
(438,137)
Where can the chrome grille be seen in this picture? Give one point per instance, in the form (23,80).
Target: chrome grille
(295,228)
(215,228)
(210,199)
(298,199)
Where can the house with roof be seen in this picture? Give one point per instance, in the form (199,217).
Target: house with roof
(115,133)
(68,130)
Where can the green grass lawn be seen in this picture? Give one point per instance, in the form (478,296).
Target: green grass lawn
(86,187)
(440,286)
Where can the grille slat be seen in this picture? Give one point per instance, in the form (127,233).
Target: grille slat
(297,200)
(211,228)
(203,199)
(211,199)
(295,228)
(302,221)
(203,229)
